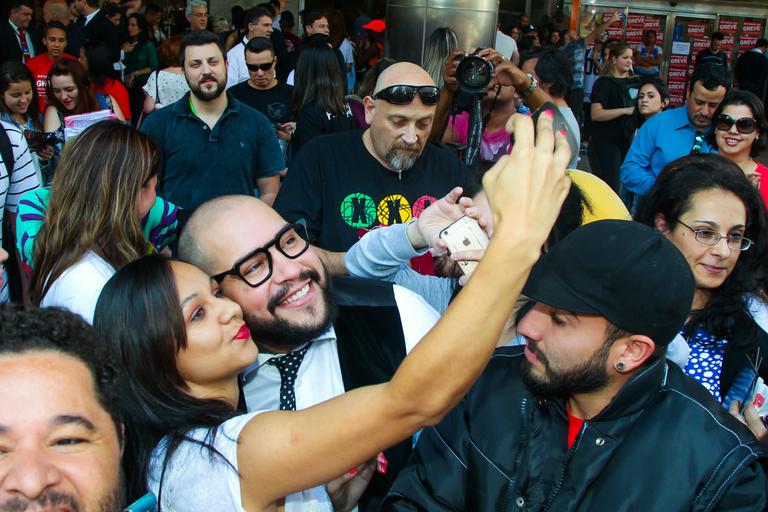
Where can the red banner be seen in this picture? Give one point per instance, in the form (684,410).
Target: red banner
(634,35)
(678,61)
(753,28)
(676,100)
(636,20)
(729,26)
(653,23)
(746,43)
(696,29)
(677,75)
(729,40)
(699,44)
(676,88)
(616,32)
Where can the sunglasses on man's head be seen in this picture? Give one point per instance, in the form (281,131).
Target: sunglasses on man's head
(255,67)
(744,125)
(404,94)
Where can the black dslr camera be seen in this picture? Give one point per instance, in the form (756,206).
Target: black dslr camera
(473,73)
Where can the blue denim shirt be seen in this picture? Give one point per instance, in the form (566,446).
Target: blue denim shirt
(663,138)
(201,163)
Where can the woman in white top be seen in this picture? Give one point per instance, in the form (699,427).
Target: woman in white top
(182,346)
(103,186)
(166,85)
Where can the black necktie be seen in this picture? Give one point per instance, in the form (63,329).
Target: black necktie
(288,366)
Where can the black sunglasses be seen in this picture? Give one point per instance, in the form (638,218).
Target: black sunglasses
(404,94)
(264,67)
(744,125)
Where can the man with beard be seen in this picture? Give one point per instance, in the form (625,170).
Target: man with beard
(589,415)
(676,132)
(211,144)
(346,183)
(60,429)
(316,339)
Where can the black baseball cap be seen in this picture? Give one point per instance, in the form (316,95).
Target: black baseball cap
(621,270)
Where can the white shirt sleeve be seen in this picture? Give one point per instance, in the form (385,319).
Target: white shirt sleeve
(416,315)
(78,288)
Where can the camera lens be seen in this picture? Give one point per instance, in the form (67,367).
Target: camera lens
(474,74)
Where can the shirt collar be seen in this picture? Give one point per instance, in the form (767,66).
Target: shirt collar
(328,336)
(90,16)
(13,26)
(181,107)
(681,119)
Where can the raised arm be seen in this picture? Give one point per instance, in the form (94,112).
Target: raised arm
(281,452)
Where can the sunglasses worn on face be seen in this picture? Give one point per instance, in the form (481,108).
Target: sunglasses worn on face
(743,125)
(404,94)
(255,67)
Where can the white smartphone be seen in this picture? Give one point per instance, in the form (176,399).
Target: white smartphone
(463,235)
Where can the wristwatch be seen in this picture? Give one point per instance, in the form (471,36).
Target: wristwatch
(534,85)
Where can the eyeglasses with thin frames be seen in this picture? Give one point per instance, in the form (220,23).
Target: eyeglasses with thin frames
(709,237)
(255,268)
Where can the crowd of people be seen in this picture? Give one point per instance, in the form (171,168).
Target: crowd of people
(270,280)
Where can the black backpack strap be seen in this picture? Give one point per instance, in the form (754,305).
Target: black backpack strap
(6,151)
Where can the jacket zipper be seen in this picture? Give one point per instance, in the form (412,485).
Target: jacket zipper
(564,467)
(510,486)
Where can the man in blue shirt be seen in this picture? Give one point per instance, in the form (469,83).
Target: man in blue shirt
(676,132)
(211,144)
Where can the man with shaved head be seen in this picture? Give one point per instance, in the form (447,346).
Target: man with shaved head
(346,183)
(317,337)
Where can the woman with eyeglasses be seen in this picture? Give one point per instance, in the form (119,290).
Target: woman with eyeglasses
(181,346)
(319,106)
(707,207)
(740,133)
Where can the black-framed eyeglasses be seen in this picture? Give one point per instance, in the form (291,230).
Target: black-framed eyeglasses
(404,94)
(745,125)
(264,67)
(698,142)
(255,268)
(709,237)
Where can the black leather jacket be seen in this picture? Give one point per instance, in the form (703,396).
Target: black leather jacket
(662,444)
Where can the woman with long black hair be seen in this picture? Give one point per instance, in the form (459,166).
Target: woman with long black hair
(318,94)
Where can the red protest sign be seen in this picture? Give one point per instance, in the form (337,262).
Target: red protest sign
(677,75)
(729,26)
(636,20)
(678,61)
(676,87)
(696,29)
(752,27)
(634,35)
(652,23)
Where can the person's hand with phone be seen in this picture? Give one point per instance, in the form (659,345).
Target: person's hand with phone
(128,47)
(44,153)
(751,419)
(284,131)
(425,231)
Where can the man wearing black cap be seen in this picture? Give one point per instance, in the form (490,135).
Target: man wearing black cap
(590,415)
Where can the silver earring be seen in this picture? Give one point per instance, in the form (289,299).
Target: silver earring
(620,367)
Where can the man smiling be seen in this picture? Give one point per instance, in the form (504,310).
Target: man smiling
(60,430)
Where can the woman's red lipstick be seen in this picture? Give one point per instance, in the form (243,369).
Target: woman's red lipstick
(243,334)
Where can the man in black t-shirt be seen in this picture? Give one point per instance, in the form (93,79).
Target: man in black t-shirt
(346,183)
(714,54)
(263,91)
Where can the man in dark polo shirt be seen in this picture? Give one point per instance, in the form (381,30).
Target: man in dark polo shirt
(212,145)
(346,183)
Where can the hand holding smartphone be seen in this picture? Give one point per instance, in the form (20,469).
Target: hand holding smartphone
(465,234)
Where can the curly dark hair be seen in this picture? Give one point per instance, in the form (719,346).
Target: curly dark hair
(671,197)
(29,329)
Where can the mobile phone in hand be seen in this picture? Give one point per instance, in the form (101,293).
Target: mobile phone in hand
(465,234)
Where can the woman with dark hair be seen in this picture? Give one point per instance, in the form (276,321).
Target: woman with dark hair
(706,206)
(69,92)
(100,212)
(19,107)
(182,345)
(140,60)
(652,98)
(166,85)
(613,103)
(741,133)
(318,95)
(96,59)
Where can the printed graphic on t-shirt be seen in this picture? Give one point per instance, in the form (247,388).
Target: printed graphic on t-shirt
(359,210)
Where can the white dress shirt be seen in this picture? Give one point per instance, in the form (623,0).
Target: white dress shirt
(320,378)
(237,71)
